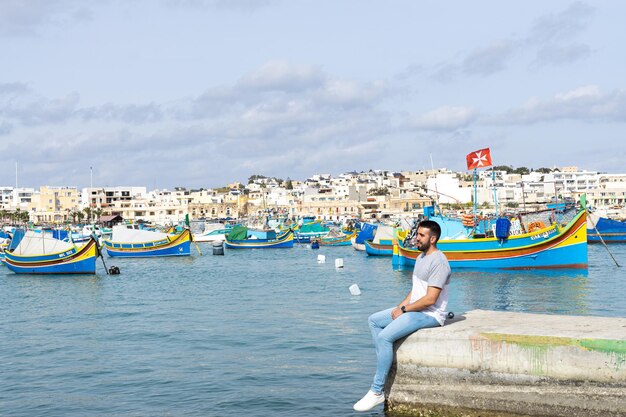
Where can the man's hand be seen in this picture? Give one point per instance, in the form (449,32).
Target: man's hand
(396,313)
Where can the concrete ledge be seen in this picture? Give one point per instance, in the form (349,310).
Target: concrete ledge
(501,363)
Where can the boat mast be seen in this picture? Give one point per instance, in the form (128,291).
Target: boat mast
(495,194)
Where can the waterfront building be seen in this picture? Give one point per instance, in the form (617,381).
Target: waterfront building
(570,182)
(55,204)
(610,193)
(106,196)
(22,198)
(445,188)
(6,197)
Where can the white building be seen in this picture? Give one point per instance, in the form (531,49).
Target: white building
(446,189)
(106,196)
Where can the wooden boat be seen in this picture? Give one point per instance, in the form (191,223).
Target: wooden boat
(366,233)
(213,232)
(40,253)
(336,238)
(310,230)
(604,229)
(382,244)
(283,241)
(133,243)
(553,246)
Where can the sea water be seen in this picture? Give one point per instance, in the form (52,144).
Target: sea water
(255,332)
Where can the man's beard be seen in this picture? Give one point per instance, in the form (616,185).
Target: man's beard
(424,247)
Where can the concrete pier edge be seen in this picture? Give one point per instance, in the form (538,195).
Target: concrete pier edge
(489,363)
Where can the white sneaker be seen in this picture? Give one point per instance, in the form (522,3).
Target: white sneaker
(369,401)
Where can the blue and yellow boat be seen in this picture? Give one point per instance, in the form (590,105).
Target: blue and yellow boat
(142,243)
(550,247)
(603,229)
(39,253)
(382,244)
(337,238)
(284,240)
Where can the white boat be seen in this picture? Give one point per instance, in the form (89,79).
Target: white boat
(212,233)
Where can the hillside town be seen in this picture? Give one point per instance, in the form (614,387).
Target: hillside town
(374,194)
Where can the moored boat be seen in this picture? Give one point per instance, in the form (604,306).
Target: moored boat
(310,230)
(213,233)
(336,238)
(134,243)
(382,244)
(600,229)
(238,239)
(366,233)
(40,253)
(553,246)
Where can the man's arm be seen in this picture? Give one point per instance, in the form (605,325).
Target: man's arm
(432,294)
(406,300)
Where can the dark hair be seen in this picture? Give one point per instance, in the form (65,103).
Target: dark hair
(434,228)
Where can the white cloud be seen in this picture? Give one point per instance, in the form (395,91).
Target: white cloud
(284,76)
(552,55)
(488,60)
(561,26)
(586,103)
(446,118)
(26,17)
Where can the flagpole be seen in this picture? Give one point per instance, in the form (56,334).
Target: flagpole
(475,198)
(495,194)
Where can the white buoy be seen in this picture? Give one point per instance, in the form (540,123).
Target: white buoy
(338,263)
(321,259)
(355,290)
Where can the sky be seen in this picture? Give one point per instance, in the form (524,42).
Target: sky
(201,93)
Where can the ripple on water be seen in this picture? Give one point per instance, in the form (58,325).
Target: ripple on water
(254,333)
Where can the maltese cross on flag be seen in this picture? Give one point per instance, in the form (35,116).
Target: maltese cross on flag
(479,159)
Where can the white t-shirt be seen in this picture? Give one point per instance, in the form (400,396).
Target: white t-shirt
(432,271)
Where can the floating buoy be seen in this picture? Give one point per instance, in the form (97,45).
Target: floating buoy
(338,263)
(114,270)
(321,259)
(315,244)
(354,289)
(218,248)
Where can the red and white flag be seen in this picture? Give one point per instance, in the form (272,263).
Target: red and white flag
(479,159)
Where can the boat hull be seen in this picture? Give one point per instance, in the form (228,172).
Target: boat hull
(76,261)
(357,246)
(602,229)
(379,249)
(547,248)
(283,241)
(337,241)
(179,245)
(593,237)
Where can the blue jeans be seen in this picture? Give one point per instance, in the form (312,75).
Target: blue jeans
(385,331)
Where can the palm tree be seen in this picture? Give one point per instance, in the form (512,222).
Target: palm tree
(88,211)
(97,213)
(73,215)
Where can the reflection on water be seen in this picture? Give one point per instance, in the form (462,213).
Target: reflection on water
(553,292)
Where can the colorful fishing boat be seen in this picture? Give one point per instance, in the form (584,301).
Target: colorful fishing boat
(40,253)
(336,238)
(366,233)
(554,246)
(311,230)
(213,232)
(137,243)
(284,240)
(382,244)
(601,228)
